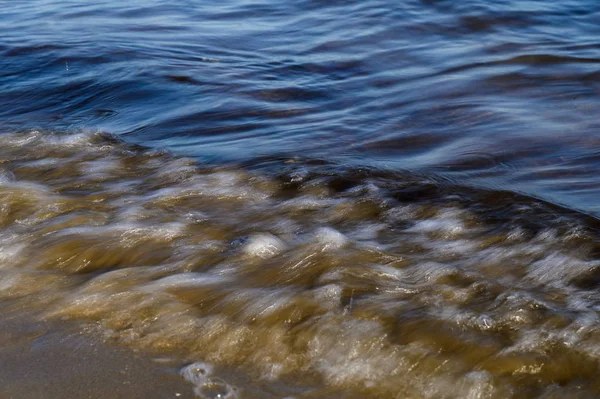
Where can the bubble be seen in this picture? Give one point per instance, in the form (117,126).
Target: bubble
(197,373)
(206,386)
(185,280)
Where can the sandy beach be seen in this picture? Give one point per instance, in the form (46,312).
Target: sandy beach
(41,360)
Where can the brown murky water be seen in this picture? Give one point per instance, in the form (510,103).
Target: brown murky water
(302,278)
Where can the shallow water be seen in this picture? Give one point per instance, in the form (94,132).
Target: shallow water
(357,199)
(311,278)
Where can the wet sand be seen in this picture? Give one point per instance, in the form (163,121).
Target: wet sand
(50,361)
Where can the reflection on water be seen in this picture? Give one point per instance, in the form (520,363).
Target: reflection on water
(496,94)
(311,278)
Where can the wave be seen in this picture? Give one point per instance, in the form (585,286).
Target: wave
(335,280)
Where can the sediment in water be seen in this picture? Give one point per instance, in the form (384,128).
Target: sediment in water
(310,279)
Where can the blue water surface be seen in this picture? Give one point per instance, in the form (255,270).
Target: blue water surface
(501,94)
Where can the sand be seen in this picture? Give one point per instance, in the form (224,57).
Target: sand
(42,360)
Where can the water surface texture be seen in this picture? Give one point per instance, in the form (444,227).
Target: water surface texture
(502,93)
(311,199)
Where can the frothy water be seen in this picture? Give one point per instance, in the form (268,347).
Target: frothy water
(313,279)
(206,386)
(311,199)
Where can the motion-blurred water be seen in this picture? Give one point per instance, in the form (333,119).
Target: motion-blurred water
(357,199)
(494,93)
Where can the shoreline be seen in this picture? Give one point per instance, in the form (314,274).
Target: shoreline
(40,359)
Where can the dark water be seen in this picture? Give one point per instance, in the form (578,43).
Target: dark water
(331,199)
(494,93)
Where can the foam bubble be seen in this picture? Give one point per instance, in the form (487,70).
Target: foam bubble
(264,245)
(330,238)
(207,386)
(558,269)
(197,373)
(448,223)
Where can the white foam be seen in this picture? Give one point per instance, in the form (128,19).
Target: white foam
(449,227)
(453,247)
(6,176)
(166,231)
(330,238)
(260,303)
(207,386)
(8,281)
(369,232)
(388,273)
(129,232)
(353,353)
(264,245)
(197,373)
(217,185)
(186,280)
(71,140)
(477,385)
(329,296)
(309,203)
(18,140)
(10,249)
(101,168)
(557,269)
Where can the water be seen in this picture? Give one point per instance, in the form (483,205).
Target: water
(311,198)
